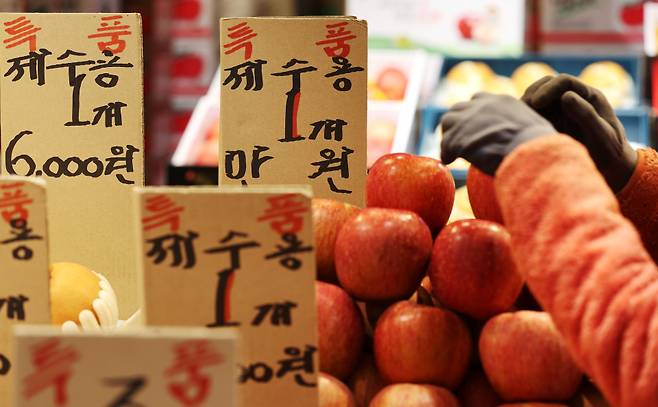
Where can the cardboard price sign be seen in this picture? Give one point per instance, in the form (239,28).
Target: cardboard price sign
(24,291)
(72,112)
(237,257)
(151,368)
(293,104)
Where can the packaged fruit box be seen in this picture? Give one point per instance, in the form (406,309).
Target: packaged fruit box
(395,81)
(417,309)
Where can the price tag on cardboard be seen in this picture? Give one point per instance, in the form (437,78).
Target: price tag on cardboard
(71,112)
(24,291)
(167,367)
(237,257)
(293,104)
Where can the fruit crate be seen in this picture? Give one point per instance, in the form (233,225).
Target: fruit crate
(637,120)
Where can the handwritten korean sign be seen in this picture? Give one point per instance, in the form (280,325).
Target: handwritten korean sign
(24,289)
(294,104)
(71,109)
(242,258)
(154,367)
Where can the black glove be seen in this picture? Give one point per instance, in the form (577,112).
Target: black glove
(583,113)
(487,128)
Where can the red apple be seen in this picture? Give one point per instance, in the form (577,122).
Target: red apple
(482,195)
(525,358)
(476,391)
(341,330)
(418,184)
(421,344)
(472,270)
(366,381)
(333,393)
(414,395)
(381,254)
(328,218)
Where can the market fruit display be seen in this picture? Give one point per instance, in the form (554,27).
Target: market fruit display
(381,254)
(328,218)
(414,395)
(422,344)
(472,270)
(482,195)
(341,330)
(366,381)
(525,358)
(419,184)
(333,393)
(418,322)
(73,288)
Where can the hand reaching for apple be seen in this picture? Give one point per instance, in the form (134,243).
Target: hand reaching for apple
(487,128)
(583,113)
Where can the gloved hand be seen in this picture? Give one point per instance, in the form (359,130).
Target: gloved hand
(487,128)
(583,113)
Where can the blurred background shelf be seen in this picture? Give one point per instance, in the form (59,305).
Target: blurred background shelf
(413,44)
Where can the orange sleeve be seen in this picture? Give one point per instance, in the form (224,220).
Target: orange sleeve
(639,199)
(585,263)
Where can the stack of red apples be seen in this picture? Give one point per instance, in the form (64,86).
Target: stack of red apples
(417,312)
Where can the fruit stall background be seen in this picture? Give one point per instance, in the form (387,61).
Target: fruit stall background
(413,46)
(423,58)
